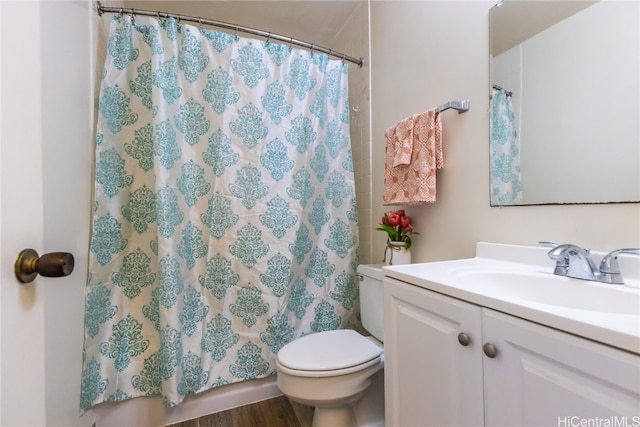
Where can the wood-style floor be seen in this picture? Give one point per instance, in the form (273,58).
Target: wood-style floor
(277,412)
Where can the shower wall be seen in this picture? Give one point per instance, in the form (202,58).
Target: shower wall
(354,39)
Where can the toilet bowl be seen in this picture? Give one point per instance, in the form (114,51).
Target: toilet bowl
(333,370)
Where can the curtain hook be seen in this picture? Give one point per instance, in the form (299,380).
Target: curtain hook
(237,32)
(329,54)
(121,10)
(290,44)
(133,18)
(312,50)
(268,38)
(200,26)
(343,55)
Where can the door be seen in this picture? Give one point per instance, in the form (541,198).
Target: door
(433,367)
(45,166)
(22,309)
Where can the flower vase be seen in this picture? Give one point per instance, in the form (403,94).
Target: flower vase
(396,253)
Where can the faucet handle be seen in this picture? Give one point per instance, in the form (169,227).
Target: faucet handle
(555,245)
(565,250)
(559,255)
(609,264)
(573,261)
(547,243)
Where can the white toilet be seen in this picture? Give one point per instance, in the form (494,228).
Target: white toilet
(340,372)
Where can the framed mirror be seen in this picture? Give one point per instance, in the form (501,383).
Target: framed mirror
(564,114)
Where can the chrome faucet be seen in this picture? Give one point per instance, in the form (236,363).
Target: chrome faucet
(574,261)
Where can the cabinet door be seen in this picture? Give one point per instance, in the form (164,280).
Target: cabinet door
(544,377)
(430,378)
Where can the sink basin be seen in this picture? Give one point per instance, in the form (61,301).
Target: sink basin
(549,289)
(519,280)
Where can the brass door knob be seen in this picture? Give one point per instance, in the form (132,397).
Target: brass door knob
(55,264)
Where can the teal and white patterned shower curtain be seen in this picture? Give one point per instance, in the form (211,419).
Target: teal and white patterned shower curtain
(504,144)
(224,222)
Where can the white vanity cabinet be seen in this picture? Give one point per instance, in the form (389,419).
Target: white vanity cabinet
(430,378)
(437,372)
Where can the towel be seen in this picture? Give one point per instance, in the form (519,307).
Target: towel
(415,183)
(400,139)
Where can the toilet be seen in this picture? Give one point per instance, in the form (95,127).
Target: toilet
(340,373)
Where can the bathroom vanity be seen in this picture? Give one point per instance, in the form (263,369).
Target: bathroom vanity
(499,340)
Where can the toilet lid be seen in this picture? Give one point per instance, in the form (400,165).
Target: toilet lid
(329,350)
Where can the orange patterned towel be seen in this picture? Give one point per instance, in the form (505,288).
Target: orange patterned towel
(400,139)
(415,183)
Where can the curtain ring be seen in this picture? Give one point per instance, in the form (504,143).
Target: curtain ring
(290,44)
(200,22)
(121,10)
(312,50)
(343,55)
(237,32)
(268,38)
(133,18)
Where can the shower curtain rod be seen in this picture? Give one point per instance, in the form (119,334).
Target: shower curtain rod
(506,92)
(269,36)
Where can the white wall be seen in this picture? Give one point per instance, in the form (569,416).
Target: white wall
(425,53)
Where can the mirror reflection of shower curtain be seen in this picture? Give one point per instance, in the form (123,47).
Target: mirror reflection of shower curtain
(224,223)
(506,183)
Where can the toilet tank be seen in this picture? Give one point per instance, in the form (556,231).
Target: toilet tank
(371,297)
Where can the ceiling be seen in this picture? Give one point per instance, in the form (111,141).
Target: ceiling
(513,22)
(312,21)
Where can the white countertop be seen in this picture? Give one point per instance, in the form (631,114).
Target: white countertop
(617,329)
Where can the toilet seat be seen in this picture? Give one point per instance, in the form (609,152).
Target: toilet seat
(328,353)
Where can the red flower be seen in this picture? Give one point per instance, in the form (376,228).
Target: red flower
(398,226)
(394,219)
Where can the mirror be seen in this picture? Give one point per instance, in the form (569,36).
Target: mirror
(572,69)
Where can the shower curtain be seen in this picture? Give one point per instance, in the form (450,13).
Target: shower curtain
(506,184)
(224,222)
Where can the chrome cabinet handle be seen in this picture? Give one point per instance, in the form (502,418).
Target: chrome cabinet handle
(464,339)
(490,350)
